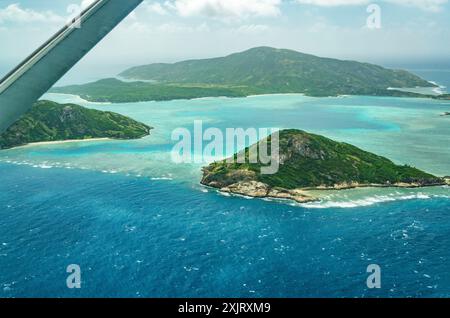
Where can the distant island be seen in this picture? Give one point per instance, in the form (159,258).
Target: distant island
(49,121)
(261,70)
(312,162)
(441,97)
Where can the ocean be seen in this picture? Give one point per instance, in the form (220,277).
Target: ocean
(139,225)
(440,77)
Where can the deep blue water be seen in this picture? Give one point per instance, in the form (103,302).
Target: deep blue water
(135,237)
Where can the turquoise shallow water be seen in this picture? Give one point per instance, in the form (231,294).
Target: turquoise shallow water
(140,225)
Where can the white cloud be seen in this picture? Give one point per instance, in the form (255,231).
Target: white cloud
(225,8)
(156,7)
(182,28)
(428,5)
(145,29)
(16,14)
(86,3)
(253,28)
(333,3)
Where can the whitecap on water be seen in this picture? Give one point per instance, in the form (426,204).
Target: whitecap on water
(368,200)
(161,178)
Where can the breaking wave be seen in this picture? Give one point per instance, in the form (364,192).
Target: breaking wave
(370,200)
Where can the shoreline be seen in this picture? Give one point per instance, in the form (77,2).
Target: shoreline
(257,190)
(58,142)
(81,99)
(418,95)
(362,186)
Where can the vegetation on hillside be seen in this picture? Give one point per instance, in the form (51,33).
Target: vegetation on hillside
(115,91)
(49,121)
(313,161)
(260,70)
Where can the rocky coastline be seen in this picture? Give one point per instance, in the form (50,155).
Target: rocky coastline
(255,189)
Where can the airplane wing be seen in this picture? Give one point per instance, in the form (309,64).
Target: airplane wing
(32,78)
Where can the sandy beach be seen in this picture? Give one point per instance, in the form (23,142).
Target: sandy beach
(43,143)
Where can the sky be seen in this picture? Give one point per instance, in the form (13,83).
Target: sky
(406,32)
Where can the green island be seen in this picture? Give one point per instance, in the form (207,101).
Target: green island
(48,121)
(112,90)
(261,70)
(312,162)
